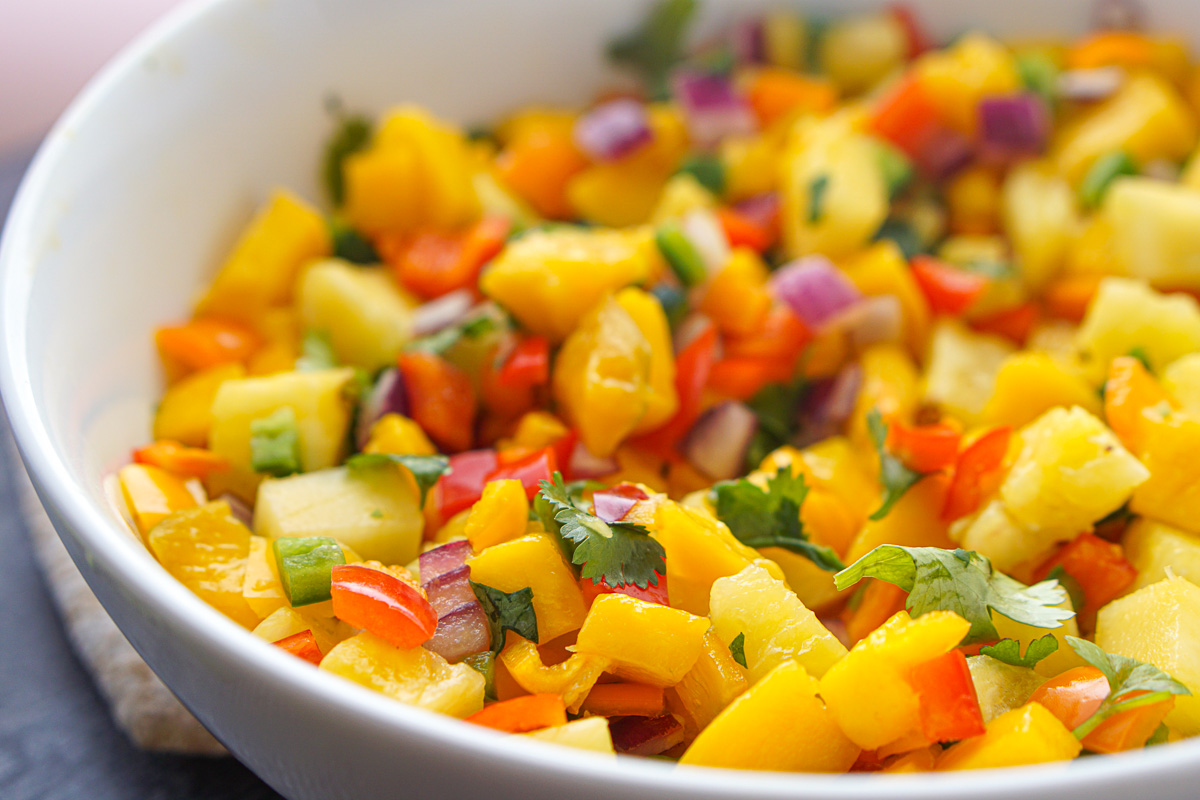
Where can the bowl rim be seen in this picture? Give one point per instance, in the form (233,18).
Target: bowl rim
(97,530)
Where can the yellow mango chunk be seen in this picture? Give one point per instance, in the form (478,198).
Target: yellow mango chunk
(499,515)
(776,625)
(890,384)
(284,622)
(699,550)
(1062,659)
(260,272)
(646,642)
(550,279)
(261,586)
(590,733)
(572,679)
(416,676)
(538,429)
(397,434)
(860,50)
(958,77)
(205,549)
(152,494)
(1160,624)
(1155,547)
(780,724)
(1026,735)
(682,195)
(1171,492)
(647,313)
(868,691)
(914,521)
(184,413)
(1030,384)
(712,683)
(379,193)
(537,562)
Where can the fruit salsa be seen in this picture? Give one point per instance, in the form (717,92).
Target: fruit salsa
(818,398)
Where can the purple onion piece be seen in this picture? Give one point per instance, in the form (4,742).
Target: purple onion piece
(827,406)
(242,512)
(387,396)
(718,441)
(614,129)
(875,320)
(1014,125)
(443,312)
(944,153)
(1089,85)
(460,633)
(815,289)
(443,559)
(838,629)
(612,506)
(646,736)
(711,107)
(583,465)
(450,590)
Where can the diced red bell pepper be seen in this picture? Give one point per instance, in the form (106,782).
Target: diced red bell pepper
(1014,323)
(1099,567)
(740,378)
(530,468)
(948,289)
(302,645)
(527,365)
(906,116)
(441,399)
(692,367)
(462,486)
(530,712)
(925,448)
(653,593)
(741,231)
(976,473)
(383,605)
(178,459)
(782,337)
(949,708)
(433,263)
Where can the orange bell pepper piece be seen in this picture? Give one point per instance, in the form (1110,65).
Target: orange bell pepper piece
(948,289)
(976,473)
(741,378)
(775,93)
(782,337)
(1069,297)
(1099,567)
(441,398)
(1111,48)
(302,645)
(949,708)
(1129,391)
(539,164)
(1074,696)
(878,603)
(737,298)
(186,462)
(433,263)
(925,448)
(906,116)
(1128,730)
(523,714)
(625,700)
(205,342)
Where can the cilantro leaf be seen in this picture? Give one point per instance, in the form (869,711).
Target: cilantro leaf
(893,474)
(353,134)
(1072,587)
(507,611)
(1160,736)
(960,581)
(654,48)
(443,340)
(275,444)
(316,352)
(737,649)
(425,469)
(771,517)
(1125,676)
(617,553)
(1009,651)
(775,405)
(816,198)
(350,245)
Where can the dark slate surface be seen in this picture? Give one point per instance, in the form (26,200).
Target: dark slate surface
(57,741)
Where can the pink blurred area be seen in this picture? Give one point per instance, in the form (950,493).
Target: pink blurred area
(49,49)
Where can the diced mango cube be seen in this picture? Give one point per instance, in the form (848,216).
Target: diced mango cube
(397,434)
(1062,659)
(534,561)
(184,413)
(712,683)
(699,550)
(152,494)
(1026,735)
(1030,384)
(958,77)
(914,521)
(646,642)
(572,679)
(1172,492)
(499,515)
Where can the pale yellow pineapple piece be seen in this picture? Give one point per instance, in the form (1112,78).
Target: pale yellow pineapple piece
(1159,550)
(961,368)
(328,631)
(1154,233)
(1001,687)
(590,733)
(1127,315)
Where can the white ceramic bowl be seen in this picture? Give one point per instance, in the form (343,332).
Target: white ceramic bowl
(130,203)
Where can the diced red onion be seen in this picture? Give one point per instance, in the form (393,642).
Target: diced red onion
(945,152)
(443,312)
(828,404)
(450,590)
(583,465)
(689,330)
(761,209)
(712,107)
(614,129)
(1014,125)
(704,231)
(749,42)
(875,320)
(385,397)
(1118,15)
(460,633)
(838,629)
(815,289)
(1089,85)
(611,505)
(443,559)
(240,510)
(717,443)
(646,736)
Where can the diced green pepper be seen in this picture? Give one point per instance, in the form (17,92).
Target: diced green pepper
(1106,170)
(816,198)
(896,167)
(681,254)
(708,171)
(275,444)
(306,567)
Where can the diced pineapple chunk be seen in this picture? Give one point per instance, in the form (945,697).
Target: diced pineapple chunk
(992,533)
(1071,471)
(1026,735)
(185,413)
(1156,231)
(417,676)
(776,625)
(1172,492)
(1029,384)
(712,683)
(284,622)
(1041,217)
(205,549)
(1001,687)
(1127,315)
(375,510)
(534,561)
(1158,550)
(682,195)
(590,733)
(647,642)
(960,375)
(1181,380)
(367,317)
(1160,624)
(322,407)
(780,724)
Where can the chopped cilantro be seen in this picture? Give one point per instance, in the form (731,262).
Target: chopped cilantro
(1141,355)
(737,649)
(425,469)
(507,611)
(618,553)
(443,340)
(350,245)
(1039,74)
(897,168)
(657,46)
(1070,585)
(816,198)
(1160,736)
(377,514)
(776,406)
(960,581)
(893,474)
(1101,175)
(1125,676)
(1009,651)
(674,303)
(771,517)
(275,444)
(707,170)
(485,664)
(316,352)
(903,234)
(352,134)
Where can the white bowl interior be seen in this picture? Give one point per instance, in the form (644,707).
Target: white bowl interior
(140,190)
